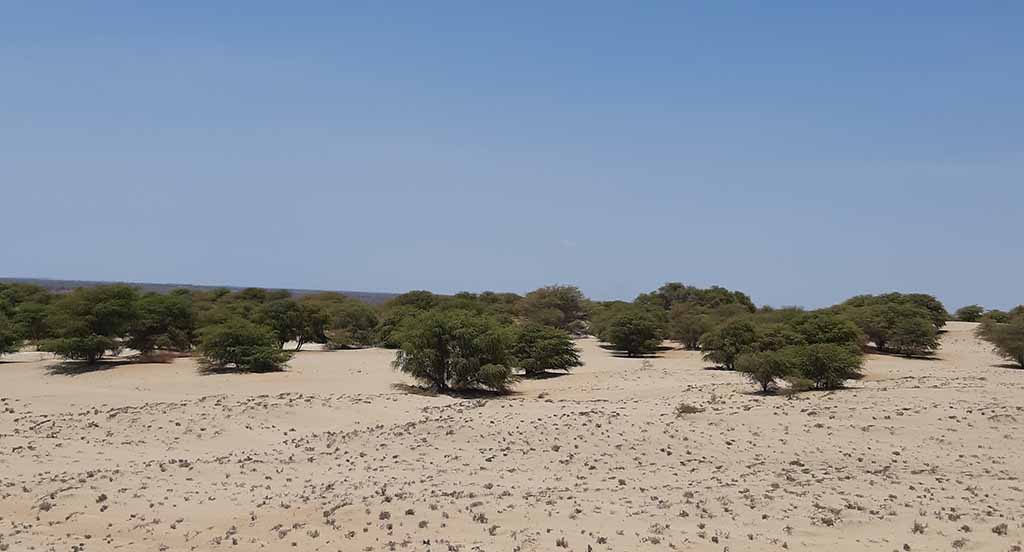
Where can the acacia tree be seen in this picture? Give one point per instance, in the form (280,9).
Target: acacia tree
(766,369)
(88,322)
(162,321)
(970,313)
(454,349)
(562,307)
(1007,338)
(826,365)
(634,332)
(728,341)
(10,337)
(688,323)
(538,348)
(241,345)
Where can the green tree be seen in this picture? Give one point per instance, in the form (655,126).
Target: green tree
(1007,338)
(775,337)
(241,345)
(728,341)
(562,307)
(826,365)
(914,336)
(10,337)
(88,322)
(634,332)
(454,349)
(538,348)
(162,321)
(766,369)
(30,318)
(674,293)
(284,317)
(352,324)
(828,327)
(970,313)
(688,323)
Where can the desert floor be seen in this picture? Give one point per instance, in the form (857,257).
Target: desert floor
(919,455)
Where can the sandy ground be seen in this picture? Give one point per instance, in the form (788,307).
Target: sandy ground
(920,455)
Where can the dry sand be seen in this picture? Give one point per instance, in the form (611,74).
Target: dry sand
(329,456)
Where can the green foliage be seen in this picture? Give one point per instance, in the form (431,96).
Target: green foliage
(728,341)
(88,322)
(632,331)
(674,293)
(562,307)
(538,348)
(241,345)
(688,323)
(914,337)
(10,336)
(897,327)
(455,349)
(284,317)
(828,327)
(766,369)
(936,312)
(1007,336)
(352,324)
(970,313)
(163,321)
(826,365)
(775,337)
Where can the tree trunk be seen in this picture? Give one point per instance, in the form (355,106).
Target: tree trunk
(298,346)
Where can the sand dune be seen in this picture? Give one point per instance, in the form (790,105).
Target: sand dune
(919,455)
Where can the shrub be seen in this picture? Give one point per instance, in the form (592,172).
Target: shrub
(775,337)
(828,327)
(538,348)
(688,323)
(1007,338)
(562,307)
(727,342)
(826,365)
(88,322)
(452,349)
(913,337)
(10,337)
(685,408)
(766,369)
(241,345)
(633,332)
(164,322)
(970,313)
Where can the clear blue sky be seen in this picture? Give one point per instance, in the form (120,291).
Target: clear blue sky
(800,151)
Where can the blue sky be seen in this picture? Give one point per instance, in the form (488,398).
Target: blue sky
(800,151)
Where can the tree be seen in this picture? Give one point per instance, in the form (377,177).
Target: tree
(765,369)
(914,336)
(970,313)
(242,346)
(688,323)
(728,341)
(284,317)
(1007,338)
(162,321)
(538,348)
(633,332)
(826,365)
(828,327)
(352,324)
(10,337)
(30,318)
(674,293)
(88,322)
(562,307)
(775,337)
(454,349)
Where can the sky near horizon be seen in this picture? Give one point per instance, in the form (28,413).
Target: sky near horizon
(802,152)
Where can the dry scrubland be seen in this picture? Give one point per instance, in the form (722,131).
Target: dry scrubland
(919,455)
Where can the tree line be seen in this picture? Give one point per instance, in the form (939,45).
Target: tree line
(488,340)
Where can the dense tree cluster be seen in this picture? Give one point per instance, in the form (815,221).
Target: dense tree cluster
(1005,331)
(906,324)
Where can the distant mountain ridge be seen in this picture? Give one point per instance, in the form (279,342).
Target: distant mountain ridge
(54,285)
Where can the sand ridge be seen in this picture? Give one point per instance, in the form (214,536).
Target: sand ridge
(919,455)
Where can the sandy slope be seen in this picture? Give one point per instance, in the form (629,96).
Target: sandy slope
(329,456)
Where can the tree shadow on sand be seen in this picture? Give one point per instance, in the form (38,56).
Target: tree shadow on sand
(77,368)
(205,370)
(874,351)
(622,354)
(1009,366)
(428,391)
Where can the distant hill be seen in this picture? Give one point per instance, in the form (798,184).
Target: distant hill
(58,286)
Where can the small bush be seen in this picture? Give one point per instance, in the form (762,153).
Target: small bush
(684,408)
(826,365)
(242,346)
(538,348)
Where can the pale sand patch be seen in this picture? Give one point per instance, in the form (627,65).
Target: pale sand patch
(330,456)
